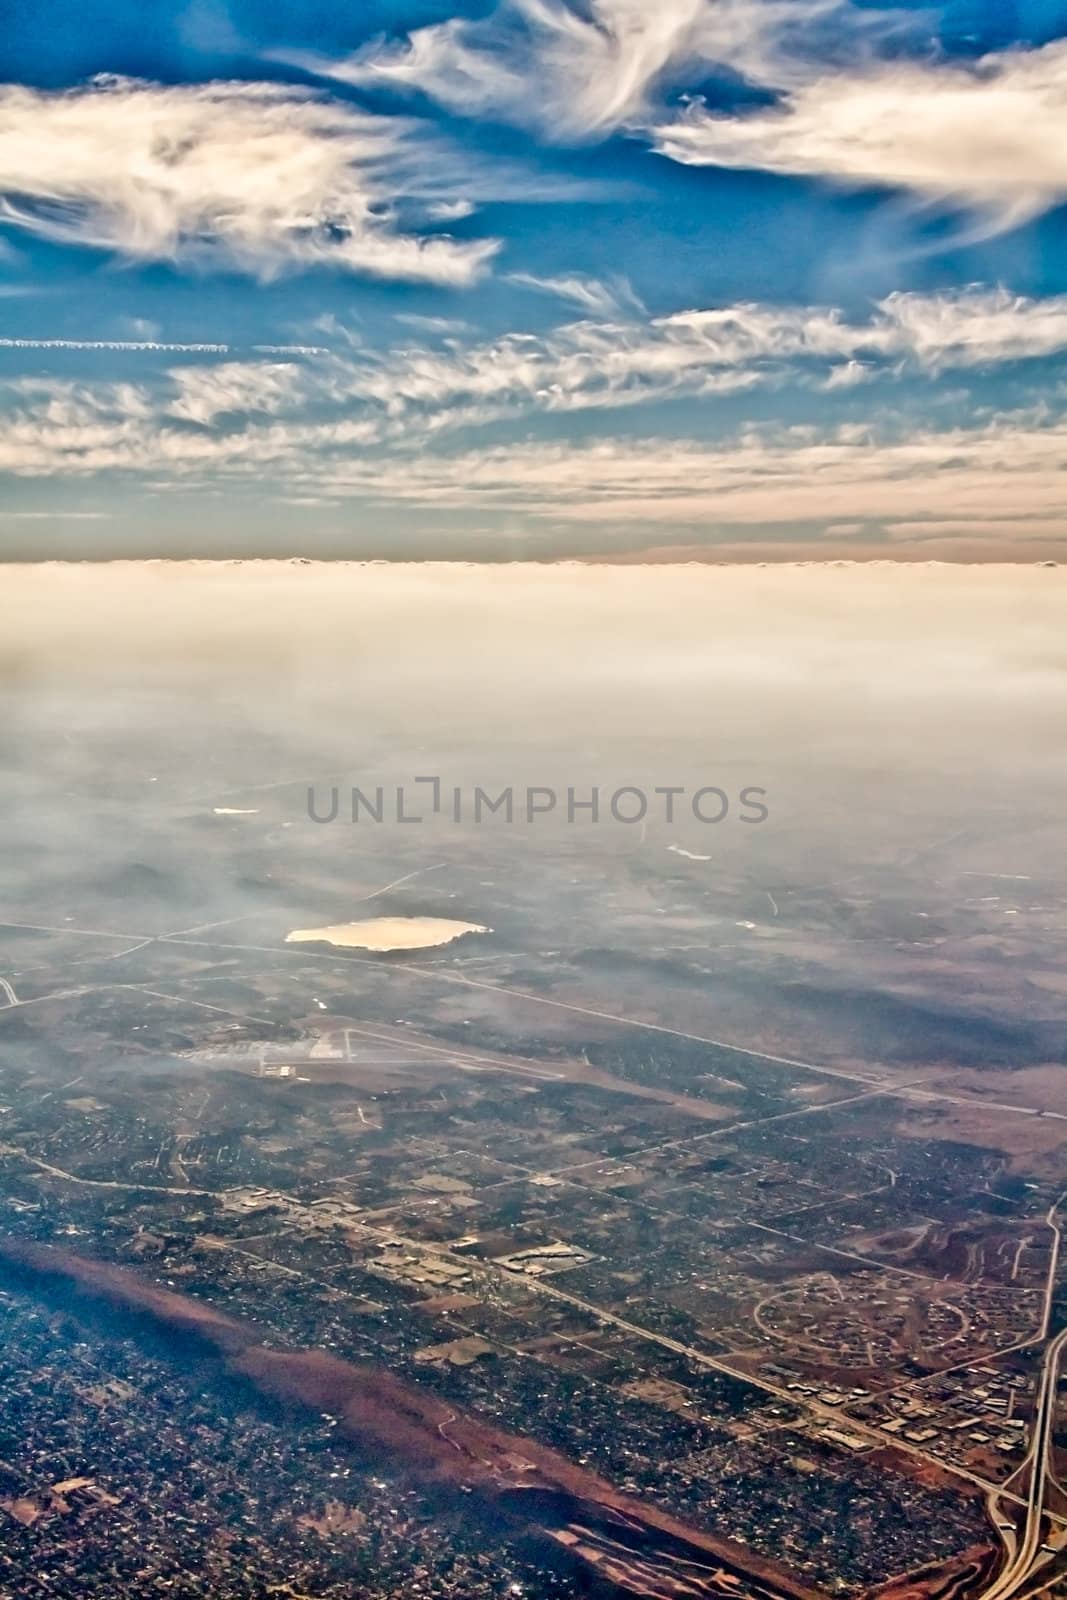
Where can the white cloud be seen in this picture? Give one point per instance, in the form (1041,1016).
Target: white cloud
(232,387)
(948,481)
(1033,528)
(976,326)
(599,299)
(540,62)
(55,516)
(260,177)
(848,375)
(425,324)
(576,71)
(448,380)
(369,425)
(597,364)
(1011,469)
(987,135)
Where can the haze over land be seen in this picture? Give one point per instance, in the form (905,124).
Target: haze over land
(878,707)
(738,1139)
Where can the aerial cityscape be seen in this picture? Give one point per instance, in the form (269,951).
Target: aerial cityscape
(533,900)
(549,1205)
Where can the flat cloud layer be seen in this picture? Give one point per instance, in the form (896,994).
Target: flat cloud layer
(791,659)
(259,177)
(1010,469)
(881,709)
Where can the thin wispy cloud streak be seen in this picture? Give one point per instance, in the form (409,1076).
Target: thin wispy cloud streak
(613,298)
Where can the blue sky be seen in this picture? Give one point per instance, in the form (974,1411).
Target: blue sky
(542,277)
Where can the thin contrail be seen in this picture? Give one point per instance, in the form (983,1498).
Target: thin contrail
(151,346)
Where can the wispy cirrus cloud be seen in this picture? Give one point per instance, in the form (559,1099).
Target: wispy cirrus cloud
(922,481)
(537,63)
(370,427)
(592,295)
(574,72)
(990,527)
(1009,470)
(626,360)
(987,135)
(450,379)
(233,388)
(259,177)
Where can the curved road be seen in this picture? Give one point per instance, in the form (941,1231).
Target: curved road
(1025,1561)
